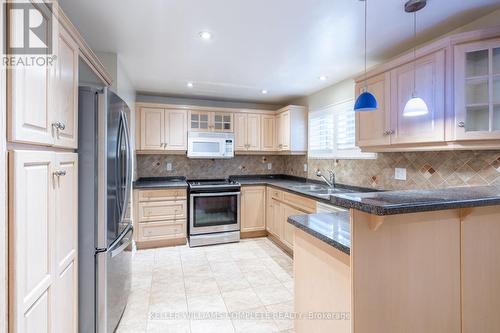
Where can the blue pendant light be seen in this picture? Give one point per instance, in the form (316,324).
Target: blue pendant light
(366,101)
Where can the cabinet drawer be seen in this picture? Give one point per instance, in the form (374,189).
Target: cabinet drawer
(161,230)
(162,210)
(274,193)
(300,202)
(160,195)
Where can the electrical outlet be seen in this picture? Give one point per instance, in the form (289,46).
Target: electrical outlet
(400,173)
(305,167)
(269,166)
(169,166)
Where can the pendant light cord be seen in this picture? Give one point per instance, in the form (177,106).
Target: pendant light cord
(414,54)
(366,20)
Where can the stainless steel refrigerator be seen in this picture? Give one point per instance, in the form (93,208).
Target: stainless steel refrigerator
(104,223)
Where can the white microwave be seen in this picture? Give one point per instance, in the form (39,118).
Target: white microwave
(210,145)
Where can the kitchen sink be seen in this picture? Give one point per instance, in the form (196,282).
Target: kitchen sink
(310,188)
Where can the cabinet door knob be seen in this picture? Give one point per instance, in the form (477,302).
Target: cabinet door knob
(461,124)
(60,173)
(59,125)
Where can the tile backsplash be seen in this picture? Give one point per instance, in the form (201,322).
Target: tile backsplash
(156,165)
(423,169)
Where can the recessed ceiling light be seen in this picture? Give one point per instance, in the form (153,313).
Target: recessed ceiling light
(323,77)
(190,84)
(205,35)
(264,91)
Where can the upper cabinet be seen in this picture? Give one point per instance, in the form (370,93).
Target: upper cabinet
(291,128)
(43,101)
(373,127)
(458,77)
(163,129)
(427,77)
(210,121)
(247,132)
(269,140)
(477,90)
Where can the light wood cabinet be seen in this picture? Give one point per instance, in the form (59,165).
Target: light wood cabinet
(372,128)
(65,90)
(427,74)
(160,217)
(253,208)
(480,257)
(269,135)
(163,129)
(322,283)
(247,132)
(477,90)
(211,121)
(175,130)
(280,205)
(43,276)
(43,101)
(458,76)
(288,229)
(152,129)
(291,129)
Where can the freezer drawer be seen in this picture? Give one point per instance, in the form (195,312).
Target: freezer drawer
(114,269)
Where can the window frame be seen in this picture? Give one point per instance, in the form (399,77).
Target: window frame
(336,153)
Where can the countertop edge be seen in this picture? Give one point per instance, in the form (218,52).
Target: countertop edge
(412,207)
(325,239)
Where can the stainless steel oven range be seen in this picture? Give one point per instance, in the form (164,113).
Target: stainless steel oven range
(214,212)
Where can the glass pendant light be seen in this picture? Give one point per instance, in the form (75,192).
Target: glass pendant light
(366,101)
(416,106)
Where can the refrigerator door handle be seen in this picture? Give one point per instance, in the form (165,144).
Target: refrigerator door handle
(126,239)
(128,171)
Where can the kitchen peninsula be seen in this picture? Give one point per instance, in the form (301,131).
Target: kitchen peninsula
(401,261)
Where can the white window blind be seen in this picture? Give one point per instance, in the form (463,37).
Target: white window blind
(332,133)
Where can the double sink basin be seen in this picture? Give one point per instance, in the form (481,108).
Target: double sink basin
(322,191)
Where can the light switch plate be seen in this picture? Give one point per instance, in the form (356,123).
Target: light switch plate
(269,166)
(400,173)
(169,166)
(305,167)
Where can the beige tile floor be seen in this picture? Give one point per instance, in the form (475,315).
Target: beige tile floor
(250,278)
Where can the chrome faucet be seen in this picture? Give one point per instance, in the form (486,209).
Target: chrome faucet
(331,181)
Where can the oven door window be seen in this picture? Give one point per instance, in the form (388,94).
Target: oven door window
(215,210)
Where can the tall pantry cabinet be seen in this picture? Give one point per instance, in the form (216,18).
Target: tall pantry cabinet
(42,106)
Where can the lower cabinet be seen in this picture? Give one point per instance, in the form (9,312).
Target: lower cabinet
(253,208)
(287,227)
(160,217)
(280,205)
(480,270)
(43,226)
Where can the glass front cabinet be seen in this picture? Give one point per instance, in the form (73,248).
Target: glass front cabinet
(208,121)
(477,90)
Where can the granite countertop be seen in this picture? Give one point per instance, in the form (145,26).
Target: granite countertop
(331,228)
(363,199)
(160,182)
(290,183)
(413,201)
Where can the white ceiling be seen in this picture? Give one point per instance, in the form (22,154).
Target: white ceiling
(279,45)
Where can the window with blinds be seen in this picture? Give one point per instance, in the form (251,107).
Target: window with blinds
(332,133)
